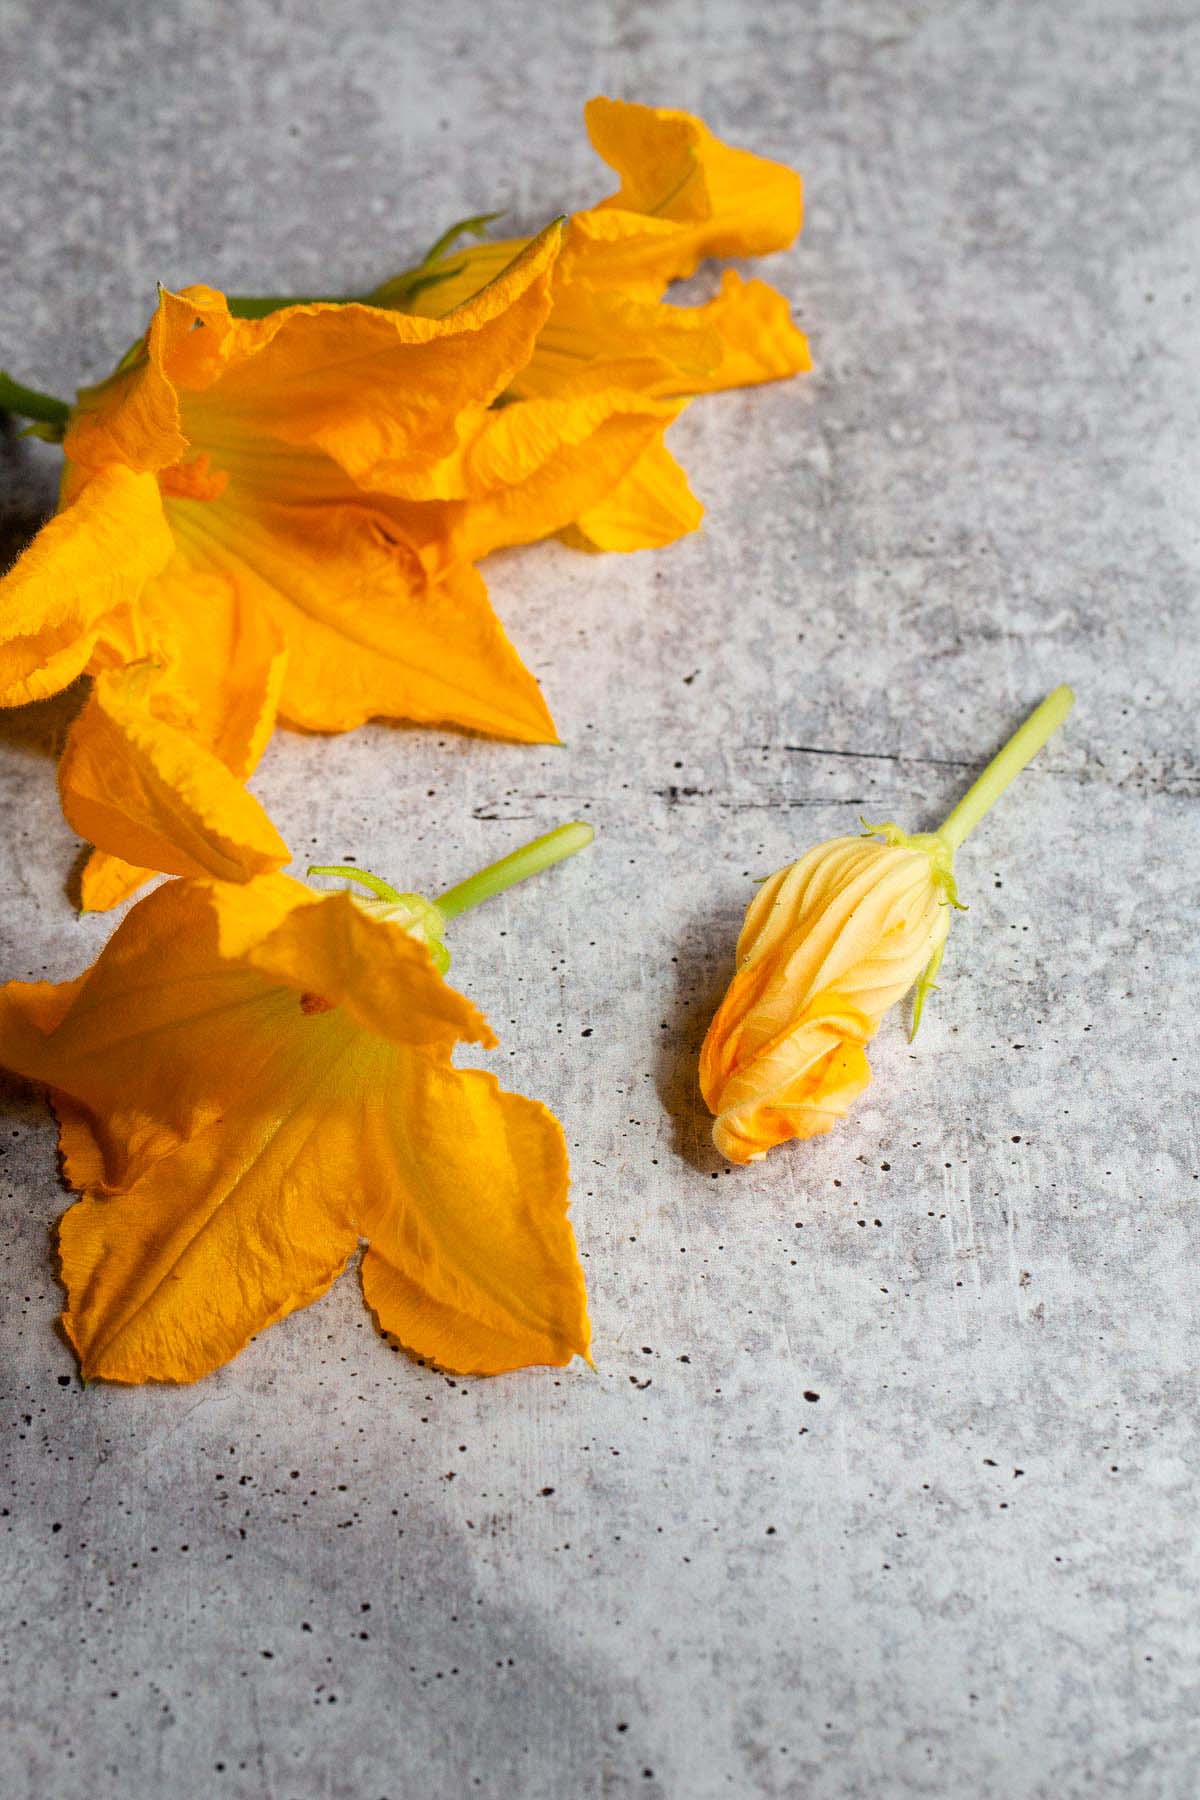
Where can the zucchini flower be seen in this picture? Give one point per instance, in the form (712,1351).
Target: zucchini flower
(576,444)
(828,946)
(251,1080)
(228,554)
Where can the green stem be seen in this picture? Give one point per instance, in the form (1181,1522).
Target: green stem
(15,397)
(541,854)
(1020,749)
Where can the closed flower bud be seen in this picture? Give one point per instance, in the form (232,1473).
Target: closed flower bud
(829,944)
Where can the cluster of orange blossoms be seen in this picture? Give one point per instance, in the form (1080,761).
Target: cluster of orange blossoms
(270,513)
(279,518)
(273,512)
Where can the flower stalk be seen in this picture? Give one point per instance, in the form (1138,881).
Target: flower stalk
(531,859)
(31,403)
(979,799)
(1004,767)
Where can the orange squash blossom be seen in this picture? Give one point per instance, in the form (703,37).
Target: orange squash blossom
(252,1079)
(610,336)
(228,554)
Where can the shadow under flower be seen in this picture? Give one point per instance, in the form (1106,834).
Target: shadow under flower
(28,489)
(25,1113)
(703,967)
(40,729)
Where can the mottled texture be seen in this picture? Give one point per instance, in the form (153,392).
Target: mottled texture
(884,1484)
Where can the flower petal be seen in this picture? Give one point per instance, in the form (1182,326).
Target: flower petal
(587,444)
(225,662)
(235,1137)
(86,568)
(381,393)
(759,341)
(238,1228)
(366,635)
(222,670)
(644,346)
(247,1080)
(803,1091)
(132,418)
(381,976)
(652,505)
(472,1262)
(109,881)
(150,793)
(851,916)
(629,253)
(196,998)
(732,202)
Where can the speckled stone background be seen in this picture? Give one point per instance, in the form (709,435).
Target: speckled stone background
(884,1485)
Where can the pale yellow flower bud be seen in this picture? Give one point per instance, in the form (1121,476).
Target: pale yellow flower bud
(828,945)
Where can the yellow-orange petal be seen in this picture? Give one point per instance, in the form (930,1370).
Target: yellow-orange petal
(600,337)
(108,881)
(607,248)
(503,449)
(78,1145)
(235,1229)
(247,1080)
(132,418)
(149,793)
(758,337)
(580,474)
(472,1262)
(194,1004)
(852,916)
(223,658)
(86,567)
(827,946)
(798,1089)
(380,393)
(367,635)
(732,202)
(650,506)
(380,976)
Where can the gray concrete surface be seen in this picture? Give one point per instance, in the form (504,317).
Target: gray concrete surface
(884,1485)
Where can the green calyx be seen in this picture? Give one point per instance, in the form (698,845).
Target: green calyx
(426,920)
(419,917)
(398,293)
(394,295)
(941,858)
(939,852)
